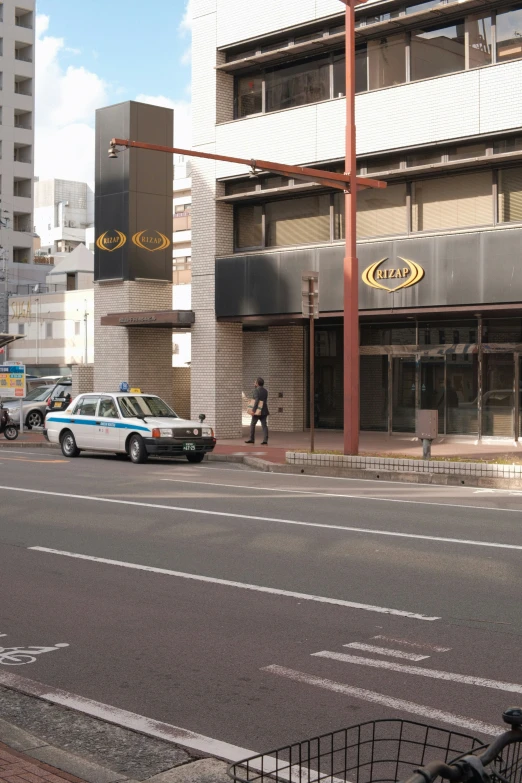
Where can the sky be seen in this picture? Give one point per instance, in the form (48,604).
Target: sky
(86,59)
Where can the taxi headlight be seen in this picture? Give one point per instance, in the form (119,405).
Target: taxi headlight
(207,432)
(162,432)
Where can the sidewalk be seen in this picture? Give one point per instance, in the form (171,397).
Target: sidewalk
(16,767)
(371,444)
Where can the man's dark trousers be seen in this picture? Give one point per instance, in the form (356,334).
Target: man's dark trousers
(264,427)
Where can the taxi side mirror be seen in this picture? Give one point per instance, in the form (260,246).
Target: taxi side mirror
(202,417)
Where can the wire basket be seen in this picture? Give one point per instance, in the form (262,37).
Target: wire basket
(382,751)
(508,766)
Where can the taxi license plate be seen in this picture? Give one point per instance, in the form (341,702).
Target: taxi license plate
(57,404)
(189,447)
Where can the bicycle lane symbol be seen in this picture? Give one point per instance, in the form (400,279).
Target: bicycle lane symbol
(19,656)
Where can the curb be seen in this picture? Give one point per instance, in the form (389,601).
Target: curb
(78,758)
(406,477)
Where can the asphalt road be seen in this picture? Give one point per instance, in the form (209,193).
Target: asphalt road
(318,603)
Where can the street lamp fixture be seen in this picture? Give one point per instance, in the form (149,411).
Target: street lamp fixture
(349,183)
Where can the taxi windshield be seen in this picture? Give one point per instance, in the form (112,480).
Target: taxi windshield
(132,407)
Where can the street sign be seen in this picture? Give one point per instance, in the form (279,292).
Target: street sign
(12,380)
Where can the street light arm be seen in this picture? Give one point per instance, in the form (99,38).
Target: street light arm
(328,178)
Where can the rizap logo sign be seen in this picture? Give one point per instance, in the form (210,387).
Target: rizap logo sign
(408,275)
(111,240)
(151,240)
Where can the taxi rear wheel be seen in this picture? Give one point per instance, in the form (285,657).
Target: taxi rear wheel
(137,450)
(68,444)
(195,457)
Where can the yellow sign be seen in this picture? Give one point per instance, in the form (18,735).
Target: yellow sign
(135,391)
(151,240)
(111,240)
(12,380)
(411,274)
(20,309)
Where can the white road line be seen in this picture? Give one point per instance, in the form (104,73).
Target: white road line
(386,701)
(415,645)
(386,651)
(325,493)
(277,520)
(130,720)
(242,585)
(466,679)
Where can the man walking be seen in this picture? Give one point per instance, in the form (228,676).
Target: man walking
(258,409)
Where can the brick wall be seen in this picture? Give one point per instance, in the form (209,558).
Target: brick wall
(181,394)
(286,377)
(82,379)
(139,355)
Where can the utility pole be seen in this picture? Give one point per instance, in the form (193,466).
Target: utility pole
(4,296)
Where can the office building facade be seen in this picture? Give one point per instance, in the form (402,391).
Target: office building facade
(439,119)
(17,74)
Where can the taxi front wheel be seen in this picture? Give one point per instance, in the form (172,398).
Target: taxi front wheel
(68,444)
(137,450)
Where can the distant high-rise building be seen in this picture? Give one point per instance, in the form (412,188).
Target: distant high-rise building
(63,211)
(17,45)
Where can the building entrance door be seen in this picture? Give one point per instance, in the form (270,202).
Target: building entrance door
(404,389)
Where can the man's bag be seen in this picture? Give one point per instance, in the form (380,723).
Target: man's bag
(258,410)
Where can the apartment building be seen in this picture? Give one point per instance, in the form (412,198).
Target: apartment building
(63,213)
(439,118)
(17,70)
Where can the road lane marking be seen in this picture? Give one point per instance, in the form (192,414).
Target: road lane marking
(416,645)
(242,585)
(40,461)
(349,497)
(387,701)
(386,651)
(277,520)
(19,656)
(129,720)
(466,679)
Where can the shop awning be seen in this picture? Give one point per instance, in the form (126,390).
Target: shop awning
(155,319)
(5,339)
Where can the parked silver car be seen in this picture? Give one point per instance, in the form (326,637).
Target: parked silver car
(36,403)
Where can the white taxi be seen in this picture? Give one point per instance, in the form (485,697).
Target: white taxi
(133,424)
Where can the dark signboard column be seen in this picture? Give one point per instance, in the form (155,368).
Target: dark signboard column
(133,254)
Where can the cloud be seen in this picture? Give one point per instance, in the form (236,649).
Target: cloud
(66,99)
(186,22)
(182,117)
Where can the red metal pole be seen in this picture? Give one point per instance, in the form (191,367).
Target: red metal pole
(351,267)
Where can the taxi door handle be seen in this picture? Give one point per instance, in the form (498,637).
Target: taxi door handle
(72,421)
(98,423)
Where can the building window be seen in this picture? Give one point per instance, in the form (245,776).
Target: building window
(379,212)
(300,221)
(452,202)
(48,330)
(77,328)
(479,48)
(510,195)
(509,40)
(437,50)
(71,281)
(21,255)
(249,226)
(249,91)
(21,328)
(386,61)
(296,85)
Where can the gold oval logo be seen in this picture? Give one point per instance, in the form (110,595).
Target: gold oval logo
(411,274)
(151,240)
(111,240)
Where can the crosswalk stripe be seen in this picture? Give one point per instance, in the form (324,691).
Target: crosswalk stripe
(386,651)
(467,679)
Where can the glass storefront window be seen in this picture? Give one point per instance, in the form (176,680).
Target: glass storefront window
(374,393)
(403,393)
(510,195)
(328,392)
(462,394)
(498,394)
(447,333)
(452,202)
(478,31)
(387,61)
(249,95)
(297,85)
(503,330)
(249,226)
(298,221)
(437,50)
(433,390)
(508,27)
